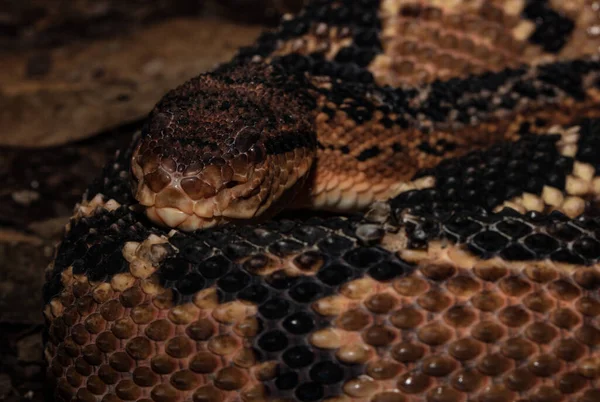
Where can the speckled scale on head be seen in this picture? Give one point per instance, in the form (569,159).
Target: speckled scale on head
(478,281)
(224,146)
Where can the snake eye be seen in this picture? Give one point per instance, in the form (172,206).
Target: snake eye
(258,153)
(246,138)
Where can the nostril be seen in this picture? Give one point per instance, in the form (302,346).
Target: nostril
(147,162)
(169,164)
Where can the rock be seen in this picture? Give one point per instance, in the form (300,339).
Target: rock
(5,386)
(30,349)
(39,24)
(76,90)
(22,267)
(39,195)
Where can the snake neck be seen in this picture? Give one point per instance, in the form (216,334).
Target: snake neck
(225,146)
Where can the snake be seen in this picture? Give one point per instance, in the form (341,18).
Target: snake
(379,200)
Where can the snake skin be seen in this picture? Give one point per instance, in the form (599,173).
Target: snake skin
(477,281)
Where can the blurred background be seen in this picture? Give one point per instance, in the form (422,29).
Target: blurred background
(77,78)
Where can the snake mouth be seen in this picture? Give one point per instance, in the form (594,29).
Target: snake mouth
(218,193)
(174,208)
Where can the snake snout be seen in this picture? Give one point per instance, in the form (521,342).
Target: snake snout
(180,191)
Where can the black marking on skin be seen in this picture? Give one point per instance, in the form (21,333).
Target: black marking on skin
(206,259)
(397,147)
(488,178)
(359,18)
(286,142)
(425,147)
(571,77)
(552,29)
(93,246)
(589,143)
(203,259)
(477,181)
(284,303)
(524,128)
(269,112)
(114,182)
(440,148)
(463,100)
(511,235)
(369,153)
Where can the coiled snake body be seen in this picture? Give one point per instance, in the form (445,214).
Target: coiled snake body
(467,129)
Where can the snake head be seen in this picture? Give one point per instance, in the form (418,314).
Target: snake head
(213,152)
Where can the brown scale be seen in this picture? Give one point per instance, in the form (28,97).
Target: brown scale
(322,39)
(129,342)
(582,187)
(424,41)
(586,36)
(428,40)
(456,328)
(453,331)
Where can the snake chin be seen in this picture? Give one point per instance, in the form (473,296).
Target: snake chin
(176,218)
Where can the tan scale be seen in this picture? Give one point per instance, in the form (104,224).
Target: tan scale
(460,327)
(424,41)
(581,186)
(88,207)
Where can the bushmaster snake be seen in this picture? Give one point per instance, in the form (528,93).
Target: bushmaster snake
(468,129)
